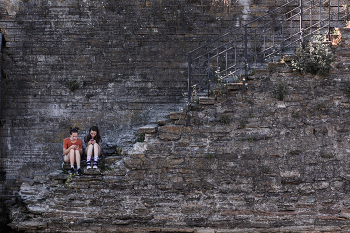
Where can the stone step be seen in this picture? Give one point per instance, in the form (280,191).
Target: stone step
(236,86)
(177,115)
(148,129)
(206,100)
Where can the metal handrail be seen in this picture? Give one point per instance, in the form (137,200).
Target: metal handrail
(289,26)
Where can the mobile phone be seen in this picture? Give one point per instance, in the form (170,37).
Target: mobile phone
(92,139)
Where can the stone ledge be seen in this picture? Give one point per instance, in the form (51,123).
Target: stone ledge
(148,129)
(206,100)
(236,86)
(177,115)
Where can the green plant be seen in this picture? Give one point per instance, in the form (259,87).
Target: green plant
(315,58)
(209,155)
(73,84)
(295,152)
(140,138)
(266,169)
(346,87)
(69,180)
(295,115)
(243,123)
(225,119)
(251,114)
(320,107)
(280,90)
(302,192)
(325,155)
(251,139)
(145,117)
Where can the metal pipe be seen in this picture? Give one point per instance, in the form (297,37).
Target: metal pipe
(226,61)
(301,23)
(282,36)
(320,19)
(273,30)
(217,55)
(245,54)
(329,18)
(0,60)
(347,9)
(189,89)
(208,73)
(311,2)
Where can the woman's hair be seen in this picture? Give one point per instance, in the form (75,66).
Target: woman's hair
(97,137)
(73,130)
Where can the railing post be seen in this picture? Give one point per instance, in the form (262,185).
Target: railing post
(347,9)
(189,89)
(329,18)
(245,55)
(0,62)
(301,24)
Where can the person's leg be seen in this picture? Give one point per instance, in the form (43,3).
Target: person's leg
(78,159)
(96,150)
(88,156)
(71,158)
(96,154)
(66,158)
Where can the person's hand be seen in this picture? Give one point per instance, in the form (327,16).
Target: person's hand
(92,141)
(76,147)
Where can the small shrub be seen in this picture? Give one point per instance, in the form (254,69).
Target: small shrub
(225,119)
(320,107)
(266,169)
(145,116)
(140,138)
(325,155)
(209,155)
(315,58)
(295,152)
(242,124)
(346,87)
(73,84)
(295,115)
(280,91)
(251,139)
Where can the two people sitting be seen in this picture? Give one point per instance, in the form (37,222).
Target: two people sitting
(73,149)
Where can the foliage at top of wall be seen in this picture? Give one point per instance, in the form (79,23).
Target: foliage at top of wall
(315,58)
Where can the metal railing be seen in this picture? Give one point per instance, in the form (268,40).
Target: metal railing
(2,162)
(267,38)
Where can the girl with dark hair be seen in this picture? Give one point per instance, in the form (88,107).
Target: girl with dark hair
(72,149)
(93,142)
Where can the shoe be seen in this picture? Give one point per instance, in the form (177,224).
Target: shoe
(88,165)
(71,171)
(95,165)
(79,172)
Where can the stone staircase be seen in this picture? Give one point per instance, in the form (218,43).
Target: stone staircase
(247,163)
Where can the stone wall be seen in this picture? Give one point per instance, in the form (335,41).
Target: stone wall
(247,163)
(129,59)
